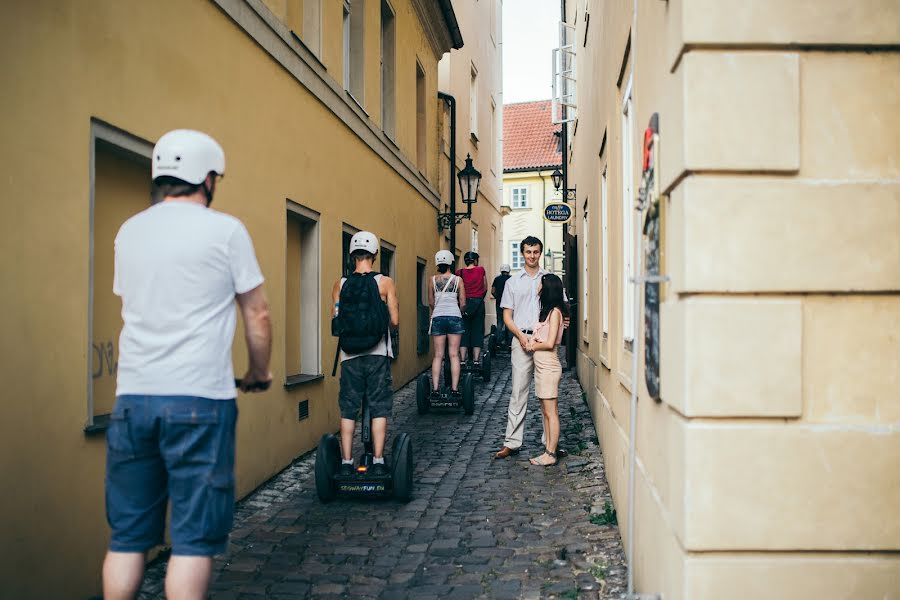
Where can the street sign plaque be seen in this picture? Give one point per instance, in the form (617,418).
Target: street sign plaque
(558,212)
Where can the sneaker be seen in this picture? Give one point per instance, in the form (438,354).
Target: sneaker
(346,469)
(378,469)
(435,395)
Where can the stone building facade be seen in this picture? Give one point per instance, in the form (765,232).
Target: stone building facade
(769,465)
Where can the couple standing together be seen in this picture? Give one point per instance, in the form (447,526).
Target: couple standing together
(534,312)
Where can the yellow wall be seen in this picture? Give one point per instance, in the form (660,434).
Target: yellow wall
(771,468)
(132,65)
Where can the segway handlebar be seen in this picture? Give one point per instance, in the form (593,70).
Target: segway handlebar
(257,386)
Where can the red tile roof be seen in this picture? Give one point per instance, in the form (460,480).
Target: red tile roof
(529,142)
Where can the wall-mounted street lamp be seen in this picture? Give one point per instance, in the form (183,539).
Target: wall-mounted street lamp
(469,180)
(557,178)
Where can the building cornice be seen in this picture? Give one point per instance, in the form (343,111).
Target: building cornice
(534,169)
(279,42)
(440,25)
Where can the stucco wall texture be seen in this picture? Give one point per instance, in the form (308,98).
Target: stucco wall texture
(771,467)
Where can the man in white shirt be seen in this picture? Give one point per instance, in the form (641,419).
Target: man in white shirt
(521,309)
(179,267)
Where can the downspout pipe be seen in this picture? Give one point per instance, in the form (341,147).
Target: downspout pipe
(543,220)
(451,102)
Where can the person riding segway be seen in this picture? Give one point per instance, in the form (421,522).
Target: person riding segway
(475,282)
(365,308)
(446,296)
(499,338)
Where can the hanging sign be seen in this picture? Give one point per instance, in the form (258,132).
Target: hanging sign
(648,198)
(557,212)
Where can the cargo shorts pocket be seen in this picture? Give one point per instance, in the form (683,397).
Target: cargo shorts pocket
(192,434)
(119,436)
(219,515)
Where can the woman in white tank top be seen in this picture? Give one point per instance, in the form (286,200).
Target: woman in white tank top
(446,296)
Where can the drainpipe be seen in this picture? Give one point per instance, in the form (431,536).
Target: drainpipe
(451,102)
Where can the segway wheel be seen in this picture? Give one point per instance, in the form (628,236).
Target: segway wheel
(486,366)
(492,340)
(468,393)
(423,390)
(402,467)
(328,457)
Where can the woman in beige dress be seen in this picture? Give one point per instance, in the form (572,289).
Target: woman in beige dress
(547,368)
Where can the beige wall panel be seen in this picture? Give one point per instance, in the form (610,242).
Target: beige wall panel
(793,577)
(716,350)
(775,487)
(742,111)
(826,22)
(851,114)
(851,359)
(755,235)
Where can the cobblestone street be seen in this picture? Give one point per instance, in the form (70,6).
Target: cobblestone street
(476,527)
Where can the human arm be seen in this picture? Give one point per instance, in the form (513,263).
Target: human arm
(335,298)
(493,292)
(431,294)
(462,294)
(254,309)
(390,293)
(513,328)
(552,334)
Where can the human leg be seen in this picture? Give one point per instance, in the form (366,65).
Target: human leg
(455,367)
(477,337)
(353,386)
(440,345)
(136,494)
(123,573)
(380,401)
(522,371)
(187,577)
(379,434)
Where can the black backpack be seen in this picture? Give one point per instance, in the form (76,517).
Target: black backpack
(363,319)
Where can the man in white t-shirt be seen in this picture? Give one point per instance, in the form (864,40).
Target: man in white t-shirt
(521,308)
(179,267)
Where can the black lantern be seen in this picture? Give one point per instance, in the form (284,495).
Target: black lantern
(557,178)
(469,180)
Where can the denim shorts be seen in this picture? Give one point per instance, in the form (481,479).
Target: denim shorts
(446,325)
(178,448)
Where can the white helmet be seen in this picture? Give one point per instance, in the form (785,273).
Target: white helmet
(187,155)
(364,240)
(505,268)
(443,257)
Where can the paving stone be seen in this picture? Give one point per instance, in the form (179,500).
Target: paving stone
(476,527)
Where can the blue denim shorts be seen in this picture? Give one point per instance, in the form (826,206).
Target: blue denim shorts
(446,325)
(178,448)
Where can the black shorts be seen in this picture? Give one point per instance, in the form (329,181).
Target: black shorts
(473,337)
(369,377)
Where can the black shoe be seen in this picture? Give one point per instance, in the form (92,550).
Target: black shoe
(456,396)
(378,469)
(561,452)
(435,396)
(346,470)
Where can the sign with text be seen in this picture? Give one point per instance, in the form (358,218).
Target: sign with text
(557,212)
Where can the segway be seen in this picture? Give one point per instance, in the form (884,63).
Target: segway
(483,371)
(396,483)
(424,403)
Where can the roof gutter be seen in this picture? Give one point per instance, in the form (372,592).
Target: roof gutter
(452,23)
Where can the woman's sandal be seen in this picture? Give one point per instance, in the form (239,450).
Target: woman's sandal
(536,460)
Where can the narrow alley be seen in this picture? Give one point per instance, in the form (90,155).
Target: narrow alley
(476,527)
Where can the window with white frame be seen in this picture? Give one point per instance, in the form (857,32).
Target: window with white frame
(519,197)
(302,295)
(604,235)
(354,51)
(516,260)
(473,103)
(628,214)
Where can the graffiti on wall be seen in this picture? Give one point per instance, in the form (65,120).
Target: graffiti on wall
(649,203)
(104,359)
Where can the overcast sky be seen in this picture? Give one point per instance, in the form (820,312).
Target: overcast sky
(530,32)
